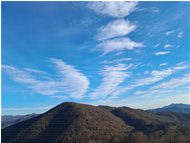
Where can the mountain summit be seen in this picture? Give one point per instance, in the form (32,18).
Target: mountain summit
(181,108)
(80,123)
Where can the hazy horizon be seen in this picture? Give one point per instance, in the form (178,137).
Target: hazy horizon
(45,109)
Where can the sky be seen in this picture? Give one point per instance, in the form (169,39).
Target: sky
(133,54)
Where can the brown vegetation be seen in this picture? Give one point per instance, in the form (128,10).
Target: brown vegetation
(80,123)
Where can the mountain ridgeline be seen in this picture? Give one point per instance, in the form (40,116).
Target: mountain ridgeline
(80,123)
(8,120)
(180,108)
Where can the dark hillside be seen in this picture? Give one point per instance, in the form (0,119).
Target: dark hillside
(81,123)
(68,123)
(141,120)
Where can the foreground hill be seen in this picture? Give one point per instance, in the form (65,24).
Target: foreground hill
(80,123)
(8,120)
(181,108)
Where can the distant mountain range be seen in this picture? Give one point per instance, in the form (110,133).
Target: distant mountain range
(8,120)
(181,108)
(81,123)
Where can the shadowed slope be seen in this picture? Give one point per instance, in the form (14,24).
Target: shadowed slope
(142,120)
(68,123)
(81,123)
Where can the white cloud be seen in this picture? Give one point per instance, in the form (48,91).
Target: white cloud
(163,64)
(171,86)
(115,28)
(118,44)
(123,60)
(112,34)
(174,90)
(113,76)
(181,66)
(69,81)
(155,76)
(180,35)
(169,32)
(35,71)
(73,81)
(113,8)
(158,44)
(168,46)
(117,61)
(161,53)
(173,83)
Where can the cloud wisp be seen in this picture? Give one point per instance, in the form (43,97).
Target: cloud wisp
(113,76)
(114,29)
(73,81)
(118,44)
(180,35)
(163,64)
(116,9)
(167,87)
(111,36)
(173,83)
(161,53)
(168,46)
(169,32)
(155,76)
(117,61)
(69,82)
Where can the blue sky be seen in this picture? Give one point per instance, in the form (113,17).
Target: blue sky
(132,54)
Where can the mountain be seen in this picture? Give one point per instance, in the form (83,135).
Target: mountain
(8,120)
(181,108)
(80,123)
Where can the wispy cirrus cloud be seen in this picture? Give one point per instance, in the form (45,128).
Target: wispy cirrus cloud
(112,35)
(117,61)
(168,46)
(35,71)
(117,9)
(180,35)
(113,76)
(154,76)
(118,44)
(157,75)
(26,78)
(115,28)
(163,64)
(73,81)
(169,32)
(173,85)
(157,45)
(161,53)
(70,81)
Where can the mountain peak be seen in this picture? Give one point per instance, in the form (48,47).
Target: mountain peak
(175,107)
(71,122)
(178,105)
